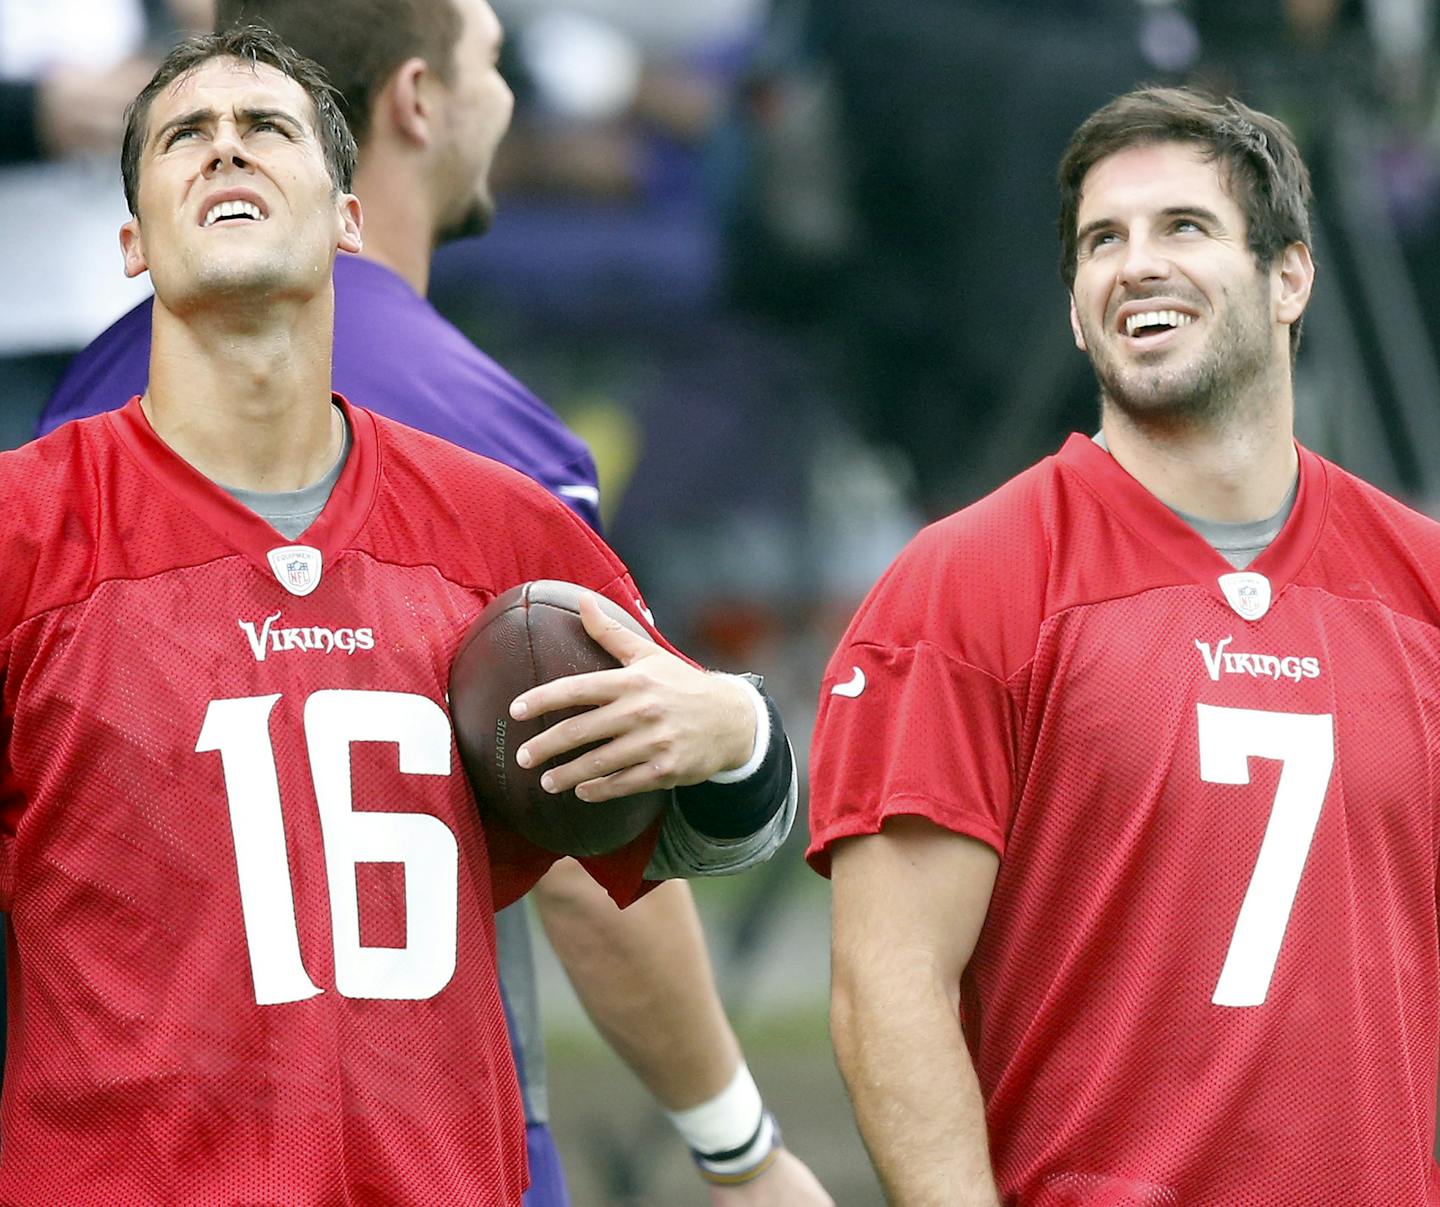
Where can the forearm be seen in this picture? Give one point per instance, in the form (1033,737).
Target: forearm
(644,977)
(909,1075)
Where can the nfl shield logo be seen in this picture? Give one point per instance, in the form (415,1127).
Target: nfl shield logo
(296,568)
(1247,592)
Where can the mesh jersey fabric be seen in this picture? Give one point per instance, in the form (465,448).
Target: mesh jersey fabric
(397,355)
(251,945)
(1160,1014)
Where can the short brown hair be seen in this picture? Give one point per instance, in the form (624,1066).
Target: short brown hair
(360,43)
(253,45)
(1257,155)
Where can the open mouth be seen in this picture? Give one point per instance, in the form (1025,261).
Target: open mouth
(233,211)
(1148,324)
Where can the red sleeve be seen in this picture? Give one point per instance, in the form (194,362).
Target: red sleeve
(918,712)
(572,552)
(927,736)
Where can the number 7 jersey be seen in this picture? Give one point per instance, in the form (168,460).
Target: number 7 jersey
(1210,971)
(251,945)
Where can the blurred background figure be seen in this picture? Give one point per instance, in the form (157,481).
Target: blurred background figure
(68,68)
(608,288)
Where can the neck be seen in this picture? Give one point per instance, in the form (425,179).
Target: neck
(247,404)
(1234,472)
(399,222)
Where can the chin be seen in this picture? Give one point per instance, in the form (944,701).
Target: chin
(475,220)
(261,282)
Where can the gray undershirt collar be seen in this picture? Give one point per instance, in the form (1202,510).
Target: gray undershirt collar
(1239,544)
(290,512)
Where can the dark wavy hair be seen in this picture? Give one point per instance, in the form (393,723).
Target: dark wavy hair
(1257,155)
(254,45)
(360,43)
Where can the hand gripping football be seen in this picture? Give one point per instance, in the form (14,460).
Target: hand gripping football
(526,636)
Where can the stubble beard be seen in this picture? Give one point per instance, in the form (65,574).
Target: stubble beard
(1206,390)
(247,284)
(474,220)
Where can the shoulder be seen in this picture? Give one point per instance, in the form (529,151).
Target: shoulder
(974,584)
(1352,500)
(481,512)
(410,453)
(49,528)
(399,356)
(1377,546)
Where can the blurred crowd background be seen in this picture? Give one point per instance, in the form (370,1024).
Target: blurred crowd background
(790,267)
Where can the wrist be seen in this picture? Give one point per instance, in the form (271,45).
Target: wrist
(760,735)
(733,1139)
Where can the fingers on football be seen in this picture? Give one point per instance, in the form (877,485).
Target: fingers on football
(627,764)
(642,720)
(638,777)
(618,641)
(572,691)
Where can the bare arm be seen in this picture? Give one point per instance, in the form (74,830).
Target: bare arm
(644,977)
(908,905)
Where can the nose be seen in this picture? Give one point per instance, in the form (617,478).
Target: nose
(226,150)
(1144,261)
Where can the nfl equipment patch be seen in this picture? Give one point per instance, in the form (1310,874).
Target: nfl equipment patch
(296,567)
(1247,592)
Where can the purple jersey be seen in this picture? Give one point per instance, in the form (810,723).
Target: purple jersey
(395,354)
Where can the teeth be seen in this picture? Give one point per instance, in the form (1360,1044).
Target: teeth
(1157,318)
(229,209)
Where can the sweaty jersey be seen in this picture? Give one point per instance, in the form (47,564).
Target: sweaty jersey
(1208,976)
(251,948)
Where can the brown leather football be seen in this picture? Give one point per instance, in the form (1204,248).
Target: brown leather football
(526,636)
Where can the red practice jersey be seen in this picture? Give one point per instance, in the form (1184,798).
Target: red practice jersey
(251,948)
(1208,976)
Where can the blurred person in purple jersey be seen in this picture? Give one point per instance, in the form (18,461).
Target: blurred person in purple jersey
(419,87)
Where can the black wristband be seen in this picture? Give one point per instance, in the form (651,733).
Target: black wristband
(741,809)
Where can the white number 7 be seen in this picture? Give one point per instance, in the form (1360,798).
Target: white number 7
(1304,743)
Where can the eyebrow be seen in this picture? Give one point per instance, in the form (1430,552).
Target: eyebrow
(1173,211)
(248,117)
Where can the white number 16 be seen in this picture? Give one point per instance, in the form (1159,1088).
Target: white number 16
(240,730)
(1304,744)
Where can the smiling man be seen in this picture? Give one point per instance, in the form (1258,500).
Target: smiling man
(1125,775)
(251,902)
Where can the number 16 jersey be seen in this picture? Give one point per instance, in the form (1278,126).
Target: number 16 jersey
(252,944)
(1208,976)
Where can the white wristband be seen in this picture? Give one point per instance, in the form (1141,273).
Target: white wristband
(762,738)
(726,1122)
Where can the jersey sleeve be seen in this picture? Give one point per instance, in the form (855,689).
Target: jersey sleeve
(551,541)
(914,719)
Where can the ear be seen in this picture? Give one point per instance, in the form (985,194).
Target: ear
(1075,326)
(405,102)
(1291,284)
(132,248)
(351,223)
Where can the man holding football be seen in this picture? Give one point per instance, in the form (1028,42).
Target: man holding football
(419,87)
(1125,775)
(252,948)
